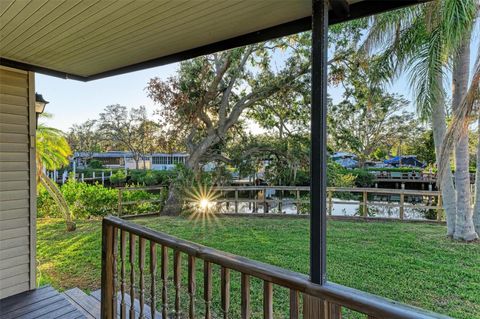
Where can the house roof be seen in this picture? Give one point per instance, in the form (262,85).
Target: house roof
(115,154)
(91,39)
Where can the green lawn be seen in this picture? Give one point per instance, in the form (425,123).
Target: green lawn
(412,263)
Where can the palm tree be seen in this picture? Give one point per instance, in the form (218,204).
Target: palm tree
(456,131)
(426,41)
(52,153)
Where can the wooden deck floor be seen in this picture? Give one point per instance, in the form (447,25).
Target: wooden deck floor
(47,303)
(44,303)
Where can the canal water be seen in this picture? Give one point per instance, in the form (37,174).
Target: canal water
(346,207)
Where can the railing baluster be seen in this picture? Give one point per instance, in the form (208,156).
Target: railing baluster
(153,275)
(191,286)
(114,270)
(107,275)
(132,276)
(123,255)
(335,311)
(164,276)
(141,262)
(314,307)
(207,288)
(225,283)
(245,293)
(293,304)
(177,267)
(267,300)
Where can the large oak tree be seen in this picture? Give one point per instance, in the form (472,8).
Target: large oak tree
(209,95)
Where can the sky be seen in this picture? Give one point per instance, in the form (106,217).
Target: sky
(74,102)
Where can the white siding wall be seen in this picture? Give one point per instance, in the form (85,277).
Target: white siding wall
(17,181)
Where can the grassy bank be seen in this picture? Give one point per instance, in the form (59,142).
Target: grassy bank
(412,263)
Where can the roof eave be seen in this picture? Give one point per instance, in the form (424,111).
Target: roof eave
(356,10)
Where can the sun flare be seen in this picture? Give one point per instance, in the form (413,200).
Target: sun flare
(203,204)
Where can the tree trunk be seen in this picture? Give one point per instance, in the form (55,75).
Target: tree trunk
(476,208)
(174,202)
(439,128)
(464,227)
(58,198)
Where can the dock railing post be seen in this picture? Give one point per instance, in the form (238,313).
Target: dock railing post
(298,202)
(439,207)
(365,205)
(402,206)
(265,208)
(236,201)
(280,203)
(330,203)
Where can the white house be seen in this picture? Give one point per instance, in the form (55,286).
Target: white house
(163,161)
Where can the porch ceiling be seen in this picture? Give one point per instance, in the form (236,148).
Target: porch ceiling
(89,39)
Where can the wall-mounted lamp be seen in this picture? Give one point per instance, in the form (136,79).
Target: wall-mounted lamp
(40,104)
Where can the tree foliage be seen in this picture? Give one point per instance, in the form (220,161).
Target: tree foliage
(209,95)
(367,118)
(52,152)
(85,137)
(130,129)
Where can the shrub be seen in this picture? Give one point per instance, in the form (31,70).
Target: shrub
(142,207)
(363,178)
(337,176)
(46,206)
(118,178)
(87,200)
(150,177)
(430,214)
(95,164)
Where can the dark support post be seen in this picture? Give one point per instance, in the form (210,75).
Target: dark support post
(318,164)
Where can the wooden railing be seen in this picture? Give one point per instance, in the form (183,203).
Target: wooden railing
(122,276)
(96,177)
(284,195)
(121,203)
(393,176)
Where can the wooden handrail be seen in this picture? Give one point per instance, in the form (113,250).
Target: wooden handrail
(330,293)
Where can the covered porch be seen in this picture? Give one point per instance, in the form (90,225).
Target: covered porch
(143,269)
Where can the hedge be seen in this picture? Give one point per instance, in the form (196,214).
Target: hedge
(94,200)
